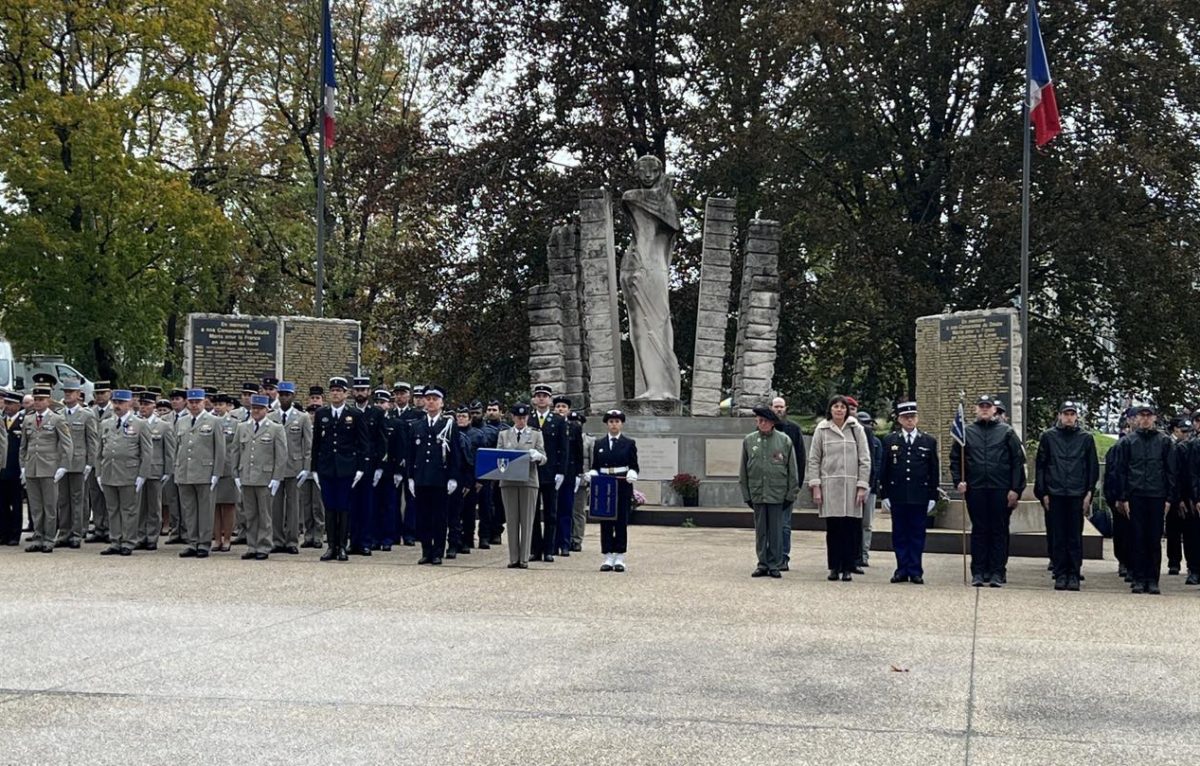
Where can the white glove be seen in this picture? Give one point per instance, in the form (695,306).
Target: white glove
(165,477)
(578,481)
(558,480)
(378,476)
(58,474)
(357,478)
(138,483)
(412,486)
(22,476)
(631,476)
(213,483)
(315,479)
(237,483)
(593,474)
(536,456)
(87,471)
(301,477)
(929,507)
(397,479)
(273,485)
(887,505)
(451,486)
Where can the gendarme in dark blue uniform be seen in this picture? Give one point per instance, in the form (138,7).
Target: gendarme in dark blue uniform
(908,483)
(432,474)
(341,452)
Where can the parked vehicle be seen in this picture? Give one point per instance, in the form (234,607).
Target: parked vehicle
(17,374)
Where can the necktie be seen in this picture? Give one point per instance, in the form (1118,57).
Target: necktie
(285,418)
(193,421)
(39,420)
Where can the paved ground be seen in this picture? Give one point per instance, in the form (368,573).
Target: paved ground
(683,659)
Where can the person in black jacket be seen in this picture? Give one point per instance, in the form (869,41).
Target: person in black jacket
(1122,532)
(1146,490)
(11,494)
(794,432)
(991,482)
(616,455)
(340,456)
(551,474)
(362,498)
(1066,474)
(1175,525)
(573,477)
(875,446)
(1191,513)
(908,483)
(433,472)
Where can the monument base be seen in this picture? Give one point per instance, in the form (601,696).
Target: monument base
(661,408)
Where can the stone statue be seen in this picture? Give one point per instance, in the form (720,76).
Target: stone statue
(644,274)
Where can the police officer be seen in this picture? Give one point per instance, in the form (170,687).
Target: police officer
(260,457)
(386,523)
(908,483)
(312,509)
(1146,488)
(573,477)
(126,462)
(461,506)
(102,407)
(410,410)
(11,494)
(551,474)
(85,449)
(433,469)
(362,502)
(341,452)
(162,462)
(46,447)
(1066,472)
(199,464)
(616,455)
(285,504)
(991,483)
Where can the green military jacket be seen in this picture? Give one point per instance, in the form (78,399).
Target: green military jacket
(768,472)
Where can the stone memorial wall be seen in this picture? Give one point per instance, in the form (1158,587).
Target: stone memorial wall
(758,319)
(601,320)
(314,350)
(712,313)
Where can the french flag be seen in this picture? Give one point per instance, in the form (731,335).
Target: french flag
(1043,110)
(328,83)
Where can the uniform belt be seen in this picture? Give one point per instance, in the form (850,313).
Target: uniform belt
(615,471)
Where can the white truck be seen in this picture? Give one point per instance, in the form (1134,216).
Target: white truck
(17,374)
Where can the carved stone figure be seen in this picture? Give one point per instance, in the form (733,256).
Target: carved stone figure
(644,280)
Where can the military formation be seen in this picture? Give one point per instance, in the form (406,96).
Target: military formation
(357,470)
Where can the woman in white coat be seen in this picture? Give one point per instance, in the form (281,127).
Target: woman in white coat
(839,462)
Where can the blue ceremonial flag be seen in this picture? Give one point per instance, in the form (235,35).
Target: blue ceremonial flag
(958,429)
(510,464)
(603,500)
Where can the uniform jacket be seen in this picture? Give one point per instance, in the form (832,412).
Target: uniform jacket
(162,444)
(44,450)
(229,426)
(574,450)
(554,436)
(616,453)
(11,467)
(298,430)
(199,449)
(260,455)
(995,458)
(1146,466)
(432,457)
(1067,465)
(103,413)
(125,451)
(340,446)
(768,473)
(1183,470)
(528,439)
(909,475)
(376,437)
(85,438)
(1112,473)
(840,463)
(396,432)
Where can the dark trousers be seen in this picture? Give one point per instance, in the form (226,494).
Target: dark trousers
(489,526)
(408,515)
(843,542)
(498,515)
(566,514)
(908,538)
(545,521)
(614,535)
(1122,536)
(362,511)
(1191,541)
(431,520)
(1146,517)
(335,494)
(387,513)
(470,501)
(1182,527)
(1173,526)
(1065,529)
(460,513)
(10,510)
(989,513)
(1050,531)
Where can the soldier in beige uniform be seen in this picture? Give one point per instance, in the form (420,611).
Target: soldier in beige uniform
(45,453)
(125,464)
(260,457)
(285,511)
(103,410)
(162,462)
(85,451)
(520,495)
(199,463)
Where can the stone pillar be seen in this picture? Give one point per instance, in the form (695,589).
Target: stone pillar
(546,363)
(712,312)
(562,256)
(601,320)
(758,318)
(965,355)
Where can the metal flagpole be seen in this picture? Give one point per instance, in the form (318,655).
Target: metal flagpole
(320,292)
(1025,224)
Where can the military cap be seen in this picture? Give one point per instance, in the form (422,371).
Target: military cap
(866,419)
(194,394)
(12,396)
(260,400)
(560,399)
(211,390)
(999,405)
(338,382)
(287,387)
(362,381)
(102,386)
(383,395)
(495,403)
(44,379)
(520,408)
(316,391)
(619,415)
(120,395)
(400,385)
(462,409)
(147,396)
(270,381)
(163,403)
(71,384)
(137,388)
(178,393)
(250,387)
(156,390)
(41,392)
(542,388)
(435,391)
(1141,407)
(762,411)
(906,408)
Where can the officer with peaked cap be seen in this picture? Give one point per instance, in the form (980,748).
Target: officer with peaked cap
(85,449)
(46,448)
(103,409)
(521,493)
(162,445)
(285,507)
(260,458)
(362,498)
(386,521)
(908,484)
(177,399)
(551,474)
(126,462)
(199,464)
(615,455)
(341,453)
(432,475)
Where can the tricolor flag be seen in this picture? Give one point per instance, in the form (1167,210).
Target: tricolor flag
(1043,110)
(958,428)
(328,83)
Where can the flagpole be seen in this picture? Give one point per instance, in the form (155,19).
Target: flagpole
(1025,344)
(320,291)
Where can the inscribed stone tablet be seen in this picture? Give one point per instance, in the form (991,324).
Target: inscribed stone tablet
(224,350)
(659,458)
(722,457)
